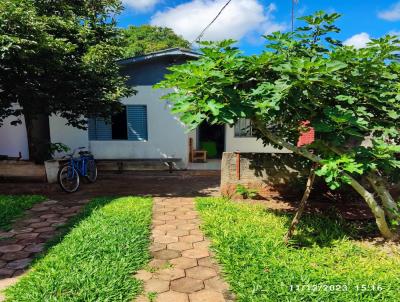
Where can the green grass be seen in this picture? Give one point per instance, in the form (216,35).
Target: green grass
(96,260)
(322,261)
(13,206)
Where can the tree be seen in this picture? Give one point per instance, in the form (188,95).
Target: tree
(351,97)
(145,39)
(58,58)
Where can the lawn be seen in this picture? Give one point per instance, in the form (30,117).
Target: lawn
(322,263)
(13,206)
(96,260)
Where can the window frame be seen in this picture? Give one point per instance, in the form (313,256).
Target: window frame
(241,134)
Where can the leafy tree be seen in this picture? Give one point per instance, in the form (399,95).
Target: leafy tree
(350,96)
(58,57)
(144,39)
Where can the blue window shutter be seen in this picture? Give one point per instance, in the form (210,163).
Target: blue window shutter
(137,122)
(99,130)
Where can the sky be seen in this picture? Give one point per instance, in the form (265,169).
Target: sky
(247,20)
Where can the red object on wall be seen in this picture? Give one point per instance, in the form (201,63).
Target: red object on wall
(307,137)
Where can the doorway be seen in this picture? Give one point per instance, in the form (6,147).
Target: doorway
(211,138)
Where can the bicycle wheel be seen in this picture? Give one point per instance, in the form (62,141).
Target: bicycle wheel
(68,178)
(91,174)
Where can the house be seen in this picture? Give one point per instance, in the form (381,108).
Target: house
(145,129)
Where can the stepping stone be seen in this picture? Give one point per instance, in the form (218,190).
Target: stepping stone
(166,254)
(27,236)
(187,285)
(143,275)
(6,272)
(207,261)
(216,284)
(19,264)
(177,233)
(155,247)
(191,238)
(15,256)
(156,285)
(196,253)
(183,262)
(206,296)
(165,239)
(171,296)
(180,246)
(11,248)
(170,274)
(201,272)
(34,248)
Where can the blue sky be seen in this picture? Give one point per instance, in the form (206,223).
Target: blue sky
(247,20)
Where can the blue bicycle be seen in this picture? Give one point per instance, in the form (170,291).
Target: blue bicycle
(69,174)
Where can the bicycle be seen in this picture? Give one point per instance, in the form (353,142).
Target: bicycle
(69,173)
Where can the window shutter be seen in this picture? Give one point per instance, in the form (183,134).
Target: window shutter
(99,130)
(137,122)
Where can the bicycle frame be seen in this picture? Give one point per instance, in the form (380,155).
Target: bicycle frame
(80,164)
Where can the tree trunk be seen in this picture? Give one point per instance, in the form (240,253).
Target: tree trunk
(303,204)
(369,198)
(38,133)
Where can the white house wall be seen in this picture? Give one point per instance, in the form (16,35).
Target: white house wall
(13,139)
(246,144)
(68,135)
(166,134)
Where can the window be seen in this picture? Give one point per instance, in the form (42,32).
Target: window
(129,124)
(243,128)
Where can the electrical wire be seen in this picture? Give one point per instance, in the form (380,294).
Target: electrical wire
(211,23)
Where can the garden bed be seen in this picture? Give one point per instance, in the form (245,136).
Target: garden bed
(96,260)
(322,263)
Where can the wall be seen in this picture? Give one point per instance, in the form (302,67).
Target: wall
(167,136)
(13,139)
(68,135)
(268,173)
(246,144)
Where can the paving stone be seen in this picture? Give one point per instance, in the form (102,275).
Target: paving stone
(22,230)
(6,272)
(177,233)
(19,272)
(202,244)
(187,285)
(7,234)
(166,254)
(47,235)
(183,262)
(196,253)
(216,284)
(15,256)
(51,215)
(171,296)
(196,232)
(26,236)
(187,226)
(19,264)
(206,296)
(39,209)
(165,239)
(201,272)
(49,202)
(165,227)
(40,224)
(164,217)
(156,285)
(180,246)
(142,298)
(34,248)
(11,248)
(207,261)
(45,229)
(191,238)
(157,263)
(155,247)
(143,275)
(170,274)
(158,222)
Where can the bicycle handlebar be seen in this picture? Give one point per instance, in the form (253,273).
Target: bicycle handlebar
(74,151)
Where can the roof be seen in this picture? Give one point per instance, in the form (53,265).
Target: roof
(171,52)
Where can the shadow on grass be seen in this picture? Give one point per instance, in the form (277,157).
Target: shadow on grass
(318,229)
(87,210)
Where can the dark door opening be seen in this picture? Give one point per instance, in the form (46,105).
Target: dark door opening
(212,139)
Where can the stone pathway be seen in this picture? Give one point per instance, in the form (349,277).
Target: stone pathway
(19,246)
(182,269)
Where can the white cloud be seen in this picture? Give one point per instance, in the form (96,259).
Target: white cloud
(358,41)
(394,33)
(391,14)
(241,17)
(140,5)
